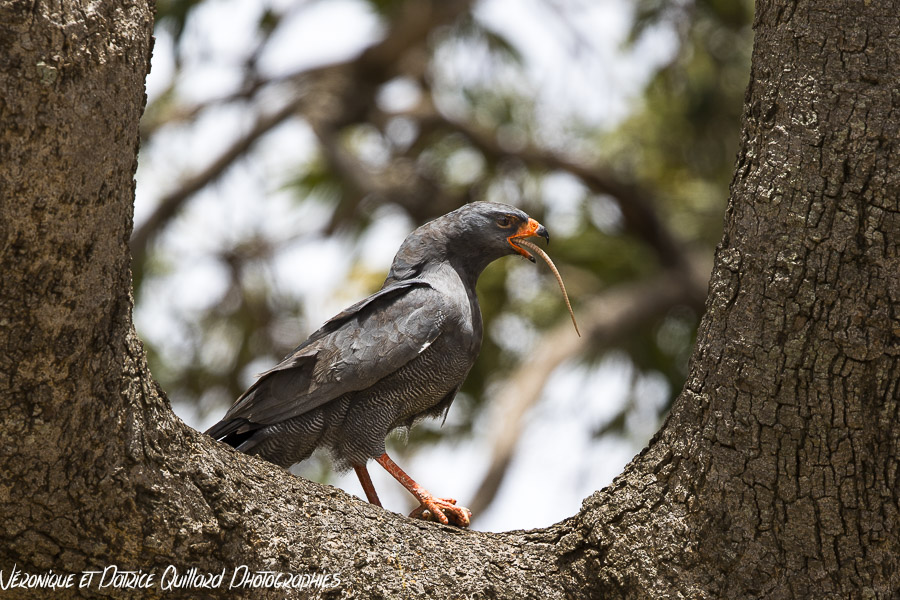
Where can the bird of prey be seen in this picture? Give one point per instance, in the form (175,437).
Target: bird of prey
(387,361)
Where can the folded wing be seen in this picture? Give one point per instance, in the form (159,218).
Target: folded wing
(351,352)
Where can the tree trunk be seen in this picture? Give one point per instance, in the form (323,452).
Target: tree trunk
(775,475)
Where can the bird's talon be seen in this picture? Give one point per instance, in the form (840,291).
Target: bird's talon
(442,510)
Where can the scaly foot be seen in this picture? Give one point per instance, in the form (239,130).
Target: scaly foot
(443,510)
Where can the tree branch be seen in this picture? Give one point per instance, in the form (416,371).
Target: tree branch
(170,204)
(349,91)
(636,205)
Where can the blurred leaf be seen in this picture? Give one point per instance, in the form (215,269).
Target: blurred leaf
(173,15)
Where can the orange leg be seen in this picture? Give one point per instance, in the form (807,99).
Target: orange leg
(367,486)
(431,508)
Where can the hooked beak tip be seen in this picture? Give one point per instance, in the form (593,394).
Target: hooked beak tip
(532,227)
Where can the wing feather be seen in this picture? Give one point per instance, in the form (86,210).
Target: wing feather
(350,352)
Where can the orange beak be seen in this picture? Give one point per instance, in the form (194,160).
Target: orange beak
(529,229)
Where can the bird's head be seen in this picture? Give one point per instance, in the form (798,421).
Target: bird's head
(489,230)
(470,238)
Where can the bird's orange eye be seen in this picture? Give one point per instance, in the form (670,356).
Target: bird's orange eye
(504,221)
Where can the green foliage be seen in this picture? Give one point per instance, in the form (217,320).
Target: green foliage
(684,138)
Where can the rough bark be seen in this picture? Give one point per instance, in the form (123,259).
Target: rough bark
(775,475)
(73,382)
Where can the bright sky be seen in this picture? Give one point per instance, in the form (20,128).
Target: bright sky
(588,73)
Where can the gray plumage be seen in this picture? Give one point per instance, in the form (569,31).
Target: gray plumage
(397,356)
